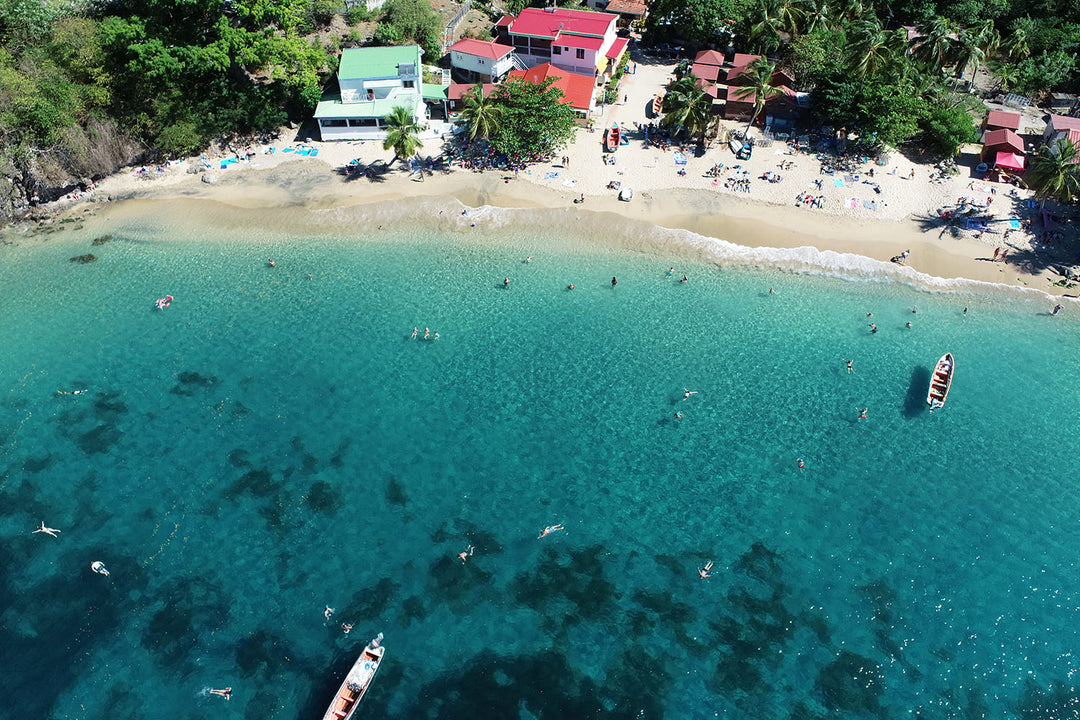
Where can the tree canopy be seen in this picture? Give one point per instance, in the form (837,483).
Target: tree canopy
(535,123)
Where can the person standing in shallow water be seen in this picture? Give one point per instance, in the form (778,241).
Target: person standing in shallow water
(614,282)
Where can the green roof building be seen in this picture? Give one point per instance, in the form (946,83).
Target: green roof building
(372,82)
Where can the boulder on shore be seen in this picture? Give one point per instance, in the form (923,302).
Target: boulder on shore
(210,178)
(84,259)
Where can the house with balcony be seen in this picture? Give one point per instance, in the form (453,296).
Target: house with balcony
(577,41)
(578,90)
(371,83)
(474,61)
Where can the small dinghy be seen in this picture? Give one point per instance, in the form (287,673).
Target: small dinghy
(940,381)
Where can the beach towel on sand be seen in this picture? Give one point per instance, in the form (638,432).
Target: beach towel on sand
(680,159)
(870,204)
(314,152)
(551,175)
(1014,223)
(838,182)
(853,203)
(569,183)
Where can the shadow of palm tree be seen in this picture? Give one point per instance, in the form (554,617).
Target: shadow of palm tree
(937,223)
(372,172)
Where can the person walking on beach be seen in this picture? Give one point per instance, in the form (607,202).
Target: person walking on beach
(222,693)
(53,531)
(850,369)
(550,529)
(997,251)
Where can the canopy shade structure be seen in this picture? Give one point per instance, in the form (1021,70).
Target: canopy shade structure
(1010,161)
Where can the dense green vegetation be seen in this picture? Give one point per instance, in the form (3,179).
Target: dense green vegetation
(520,119)
(864,72)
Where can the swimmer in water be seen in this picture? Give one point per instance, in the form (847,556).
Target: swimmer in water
(414,331)
(328,612)
(873,328)
(862,413)
(850,369)
(614,282)
(427,333)
(346,628)
(671,271)
(704,572)
(46,530)
(466,554)
(222,693)
(435,335)
(685,279)
(571,286)
(771,291)
(99,567)
(678,415)
(687,393)
(908,323)
(506,282)
(549,529)
(528,259)
(802,465)
(271,263)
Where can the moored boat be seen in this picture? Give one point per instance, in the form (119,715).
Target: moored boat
(611,142)
(356,683)
(940,382)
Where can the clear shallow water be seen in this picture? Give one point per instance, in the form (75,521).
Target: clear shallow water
(272,444)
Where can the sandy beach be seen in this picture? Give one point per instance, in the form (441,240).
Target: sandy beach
(854,217)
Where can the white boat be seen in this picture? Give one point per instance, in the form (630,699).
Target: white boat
(940,382)
(356,683)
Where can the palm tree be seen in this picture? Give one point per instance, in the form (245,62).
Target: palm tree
(482,115)
(816,15)
(687,107)
(403,133)
(758,79)
(968,52)
(848,10)
(1054,172)
(871,48)
(765,33)
(1021,30)
(936,43)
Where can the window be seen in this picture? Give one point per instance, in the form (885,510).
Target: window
(556,50)
(580,54)
(333,122)
(361,122)
(407,83)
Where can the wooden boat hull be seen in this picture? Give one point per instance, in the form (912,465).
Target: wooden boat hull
(940,382)
(611,140)
(355,685)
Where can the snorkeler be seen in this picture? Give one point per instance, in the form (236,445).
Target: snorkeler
(328,612)
(466,554)
(222,693)
(346,628)
(706,571)
(46,530)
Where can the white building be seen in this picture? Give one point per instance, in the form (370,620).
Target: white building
(480,61)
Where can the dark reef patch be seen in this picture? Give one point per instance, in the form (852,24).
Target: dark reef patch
(84,259)
(324,498)
(99,440)
(192,607)
(189,382)
(395,492)
(257,483)
(101,240)
(36,465)
(371,602)
(852,683)
(575,577)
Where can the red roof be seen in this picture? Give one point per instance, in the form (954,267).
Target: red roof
(628,7)
(709,57)
(505,21)
(549,22)
(1064,122)
(616,50)
(1002,119)
(742,59)
(1003,138)
(480,48)
(457,91)
(577,41)
(705,72)
(577,89)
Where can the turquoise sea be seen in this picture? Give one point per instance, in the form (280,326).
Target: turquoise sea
(272,444)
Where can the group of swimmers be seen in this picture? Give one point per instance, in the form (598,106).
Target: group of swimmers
(428,334)
(97,566)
